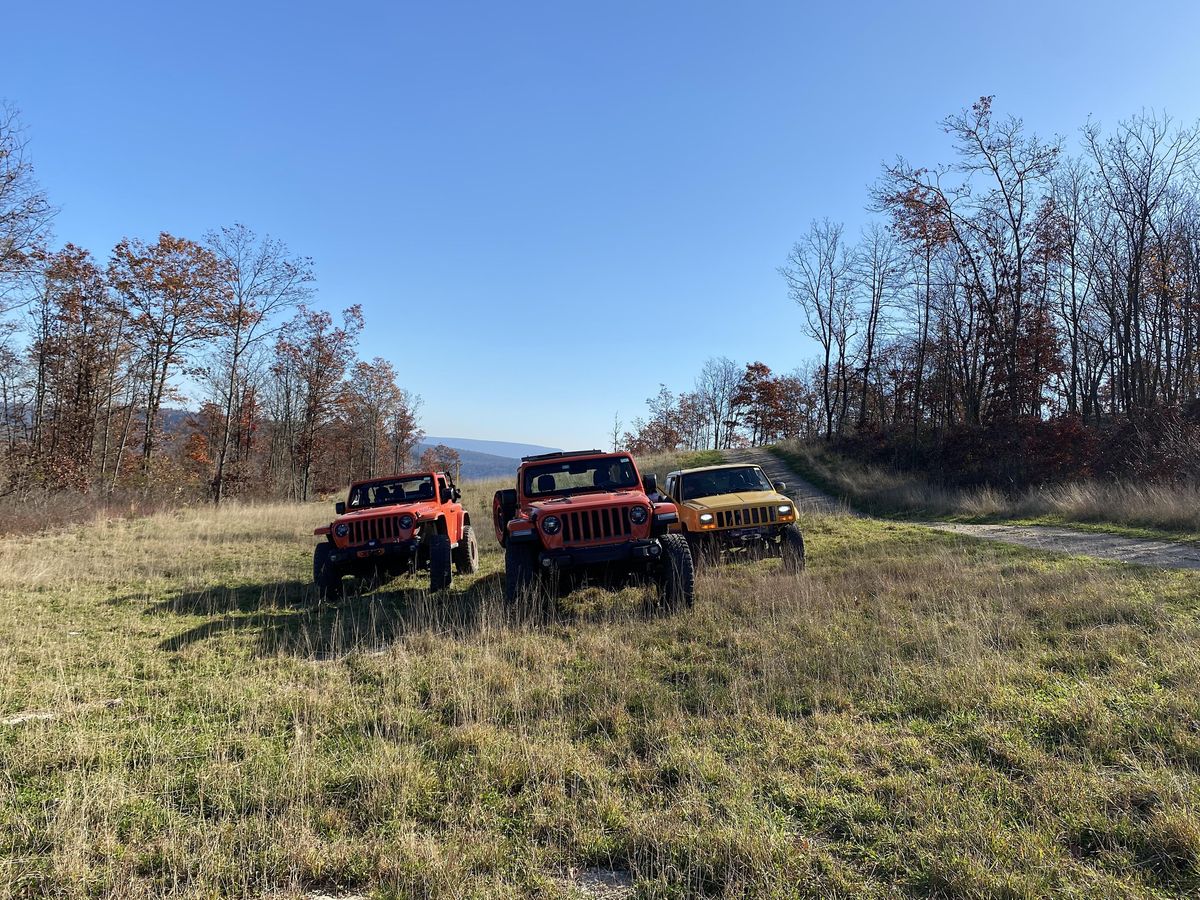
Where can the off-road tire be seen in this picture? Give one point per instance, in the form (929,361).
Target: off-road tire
(326,578)
(677,581)
(520,574)
(441,574)
(791,546)
(466,554)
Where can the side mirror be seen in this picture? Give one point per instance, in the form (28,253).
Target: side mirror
(339,508)
(650,483)
(781,486)
(456,494)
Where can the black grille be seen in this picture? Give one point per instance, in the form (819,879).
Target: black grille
(378,528)
(747,516)
(605,524)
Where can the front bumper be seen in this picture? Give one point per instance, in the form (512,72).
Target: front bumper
(736,537)
(637,551)
(397,551)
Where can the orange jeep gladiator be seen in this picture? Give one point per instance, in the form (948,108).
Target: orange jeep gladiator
(393,526)
(588,512)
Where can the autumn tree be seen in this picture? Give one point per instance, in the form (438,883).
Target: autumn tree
(991,204)
(172,294)
(76,338)
(379,420)
(440,458)
(312,355)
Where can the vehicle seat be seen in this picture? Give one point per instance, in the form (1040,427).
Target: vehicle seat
(545,484)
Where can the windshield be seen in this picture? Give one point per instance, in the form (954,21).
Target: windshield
(611,473)
(725,481)
(406,489)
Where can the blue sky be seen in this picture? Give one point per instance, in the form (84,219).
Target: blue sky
(546,209)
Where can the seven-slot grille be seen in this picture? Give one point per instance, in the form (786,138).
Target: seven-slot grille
(590,525)
(376,528)
(747,516)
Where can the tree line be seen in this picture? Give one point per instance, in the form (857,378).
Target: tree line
(1016,304)
(92,354)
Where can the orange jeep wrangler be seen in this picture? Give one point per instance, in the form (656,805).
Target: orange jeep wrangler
(588,512)
(394,526)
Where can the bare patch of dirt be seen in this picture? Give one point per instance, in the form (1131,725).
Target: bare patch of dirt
(598,884)
(46,715)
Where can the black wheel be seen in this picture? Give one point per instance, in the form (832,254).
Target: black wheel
(326,577)
(520,573)
(792,549)
(466,554)
(440,574)
(677,582)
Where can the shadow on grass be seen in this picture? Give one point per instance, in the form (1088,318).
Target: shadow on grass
(287,618)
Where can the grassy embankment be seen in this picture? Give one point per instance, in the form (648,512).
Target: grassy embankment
(1169,512)
(915,714)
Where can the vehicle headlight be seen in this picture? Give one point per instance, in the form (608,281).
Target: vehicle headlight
(551,525)
(638,514)
(706,518)
(407,521)
(342,530)
(785,509)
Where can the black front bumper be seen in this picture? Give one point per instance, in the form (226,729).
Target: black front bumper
(739,537)
(392,552)
(633,552)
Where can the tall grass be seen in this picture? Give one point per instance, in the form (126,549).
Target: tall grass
(913,715)
(884,491)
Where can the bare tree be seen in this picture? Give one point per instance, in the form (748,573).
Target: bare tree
(260,280)
(25,212)
(716,387)
(818,275)
(878,267)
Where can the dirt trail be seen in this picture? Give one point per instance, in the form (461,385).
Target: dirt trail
(1164,554)
(808,496)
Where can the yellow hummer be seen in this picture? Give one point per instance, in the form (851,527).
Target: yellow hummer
(735,510)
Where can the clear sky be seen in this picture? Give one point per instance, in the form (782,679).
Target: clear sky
(546,209)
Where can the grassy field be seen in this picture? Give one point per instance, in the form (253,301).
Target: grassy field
(1164,511)
(915,715)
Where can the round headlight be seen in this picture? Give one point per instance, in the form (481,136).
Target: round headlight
(342,530)
(706,518)
(785,508)
(638,514)
(550,524)
(406,521)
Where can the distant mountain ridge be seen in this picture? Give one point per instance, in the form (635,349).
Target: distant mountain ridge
(486,459)
(506,449)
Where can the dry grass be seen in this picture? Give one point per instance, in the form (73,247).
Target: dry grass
(1170,509)
(914,715)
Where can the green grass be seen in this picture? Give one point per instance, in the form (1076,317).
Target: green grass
(916,714)
(1162,512)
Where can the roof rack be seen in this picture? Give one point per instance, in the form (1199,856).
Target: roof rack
(560,454)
